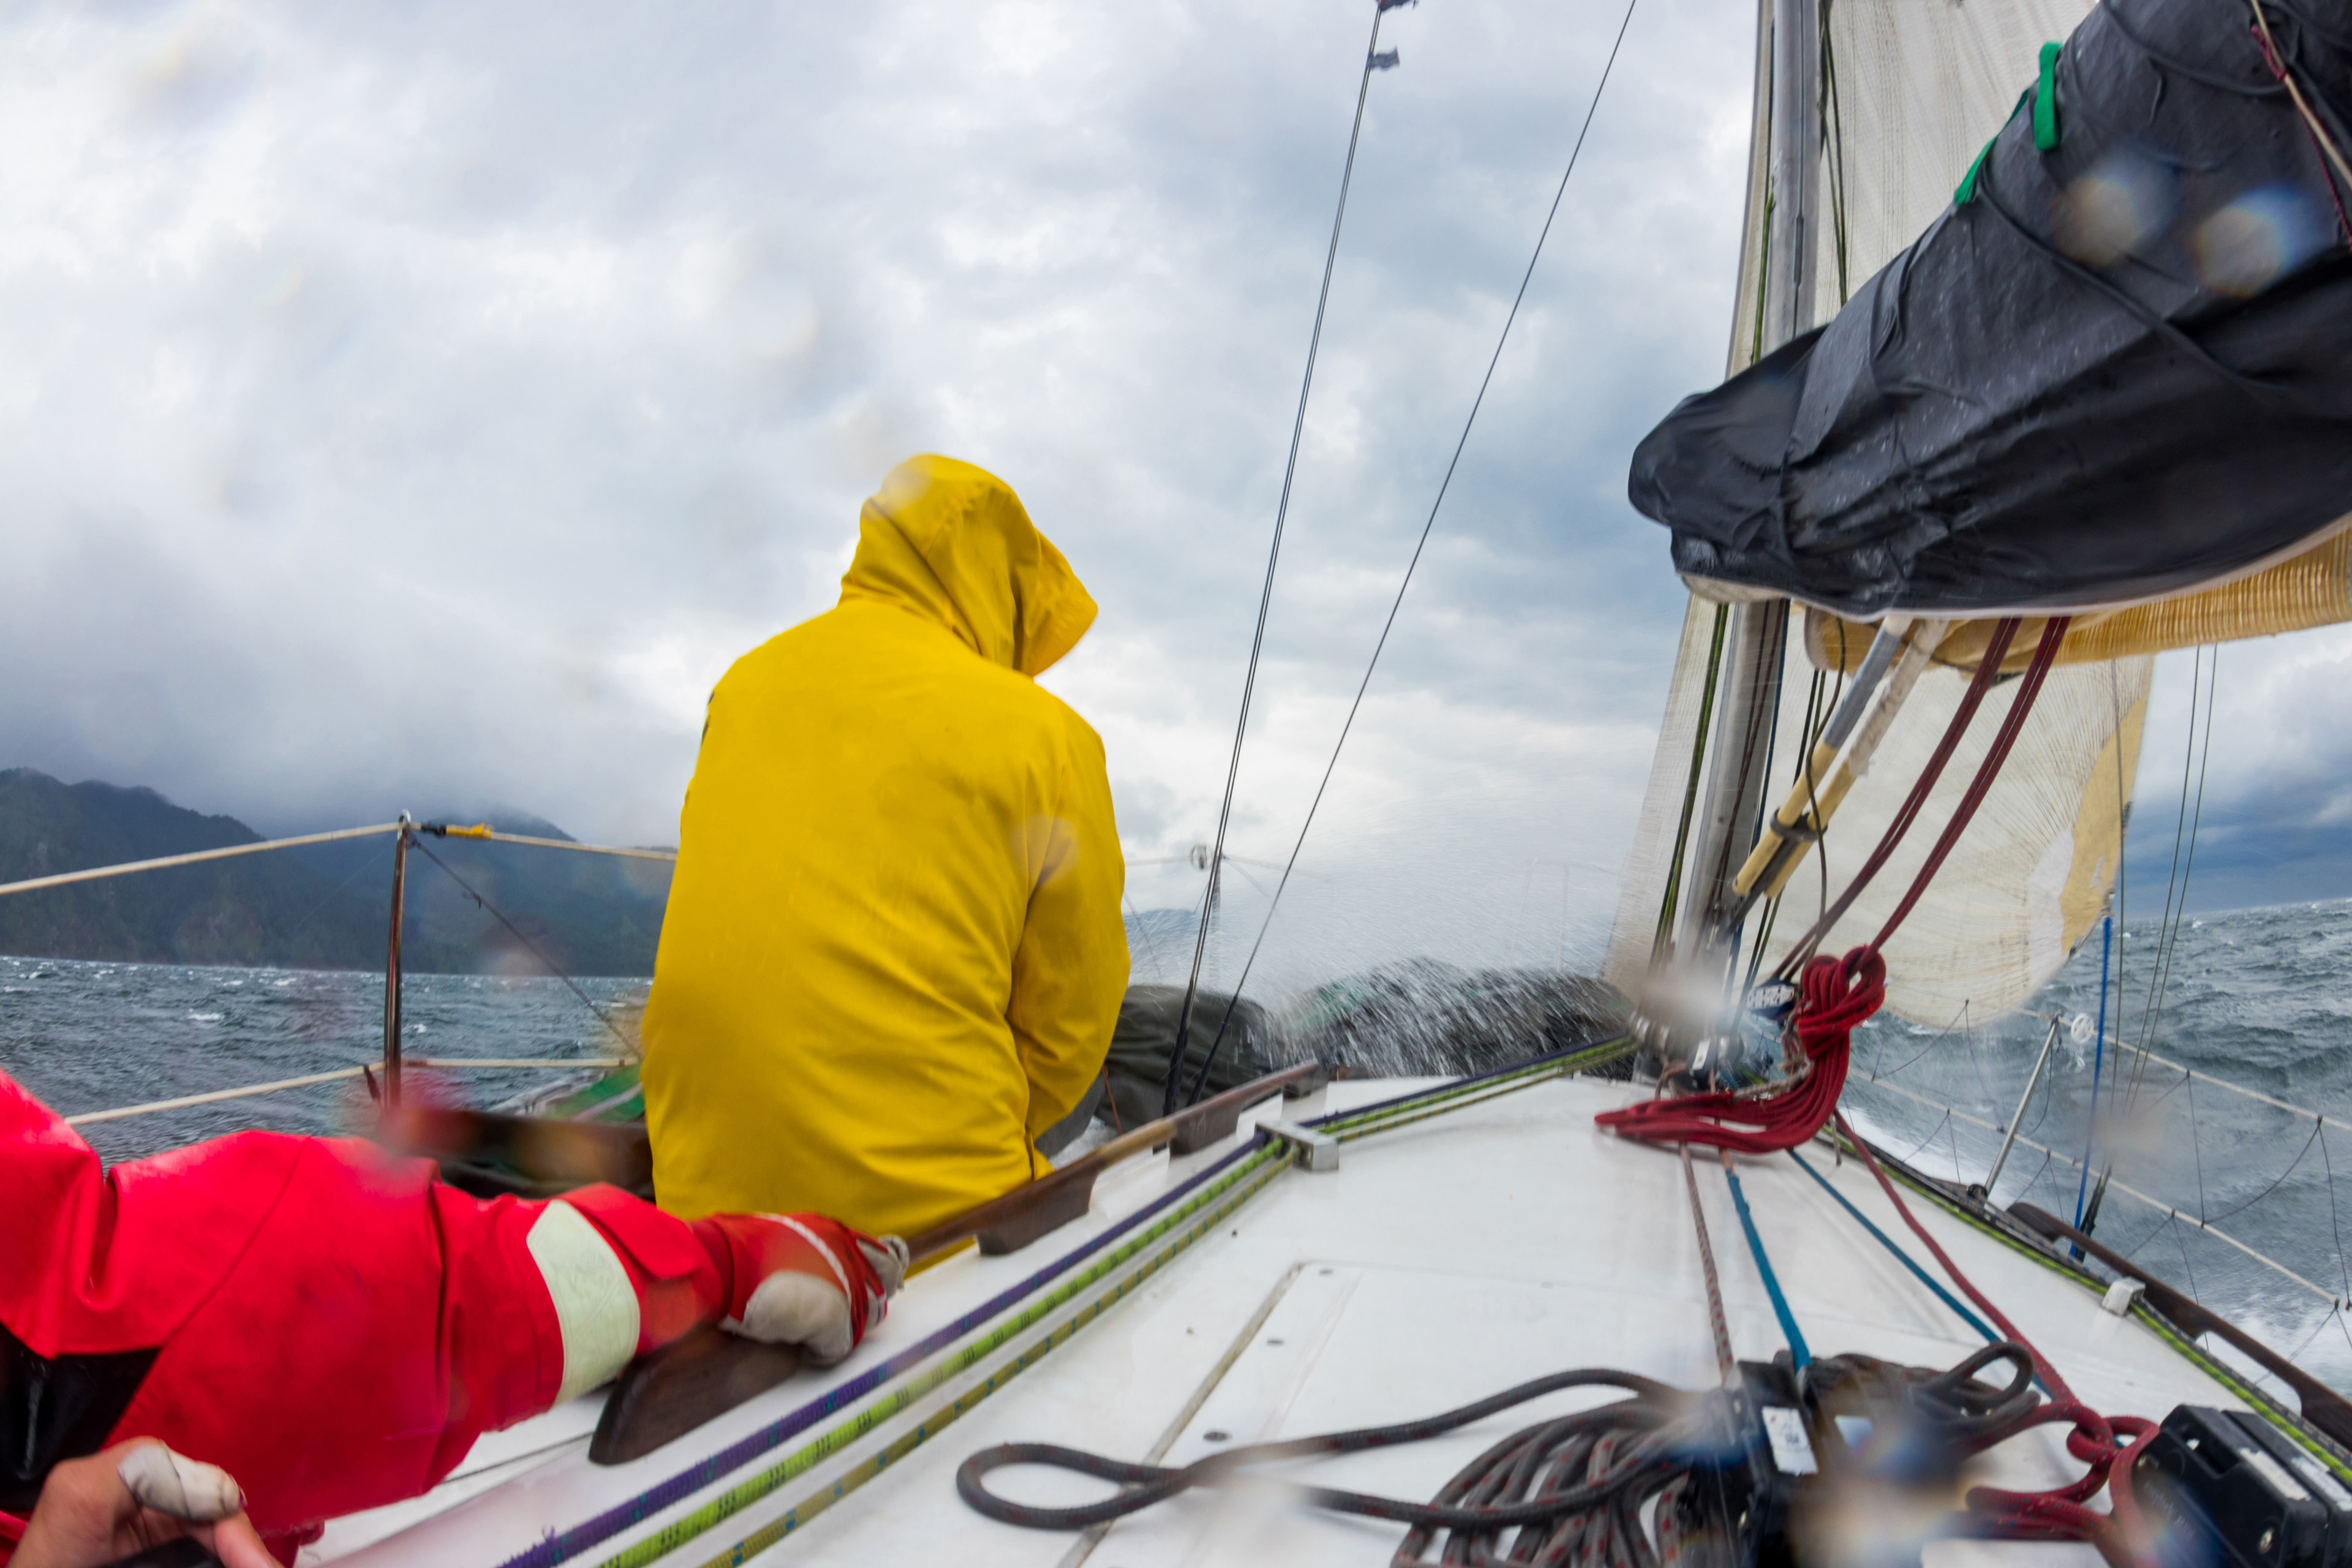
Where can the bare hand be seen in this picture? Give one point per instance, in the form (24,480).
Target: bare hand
(88,1517)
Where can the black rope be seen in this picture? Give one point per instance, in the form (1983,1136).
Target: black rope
(2181,1245)
(1422,543)
(1941,1035)
(1576,1487)
(1266,595)
(1939,1126)
(627,1045)
(1564,1446)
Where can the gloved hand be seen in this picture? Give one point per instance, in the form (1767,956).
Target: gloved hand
(803,1279)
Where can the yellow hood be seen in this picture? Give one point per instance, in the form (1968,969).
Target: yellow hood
(952,542)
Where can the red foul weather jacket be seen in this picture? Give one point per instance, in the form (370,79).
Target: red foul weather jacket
(329,1324)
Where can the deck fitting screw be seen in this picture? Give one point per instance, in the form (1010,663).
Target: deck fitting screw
(1215,1437)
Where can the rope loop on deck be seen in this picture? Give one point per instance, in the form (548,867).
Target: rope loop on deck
(1603,1462)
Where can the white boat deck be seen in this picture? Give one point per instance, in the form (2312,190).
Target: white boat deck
(1441,1262)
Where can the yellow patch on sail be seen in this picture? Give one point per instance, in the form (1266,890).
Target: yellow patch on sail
(2310,589)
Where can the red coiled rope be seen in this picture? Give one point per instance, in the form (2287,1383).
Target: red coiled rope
(1836,996)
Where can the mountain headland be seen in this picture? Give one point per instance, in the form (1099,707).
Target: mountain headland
(322,906)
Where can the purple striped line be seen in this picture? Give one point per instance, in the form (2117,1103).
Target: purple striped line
(592,1532)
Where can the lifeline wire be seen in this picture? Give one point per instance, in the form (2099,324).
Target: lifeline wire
(1422,543)
(1265,597)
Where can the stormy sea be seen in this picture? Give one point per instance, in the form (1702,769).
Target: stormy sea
(2204,1177)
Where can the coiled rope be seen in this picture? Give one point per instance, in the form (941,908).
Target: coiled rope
(1576,1488)
(2096,1440)
(1536,1476)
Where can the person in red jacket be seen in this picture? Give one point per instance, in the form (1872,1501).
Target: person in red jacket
(334,1328)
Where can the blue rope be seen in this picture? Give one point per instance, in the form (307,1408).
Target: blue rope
(1978,1324)
(1789,1328)
(2098,1060)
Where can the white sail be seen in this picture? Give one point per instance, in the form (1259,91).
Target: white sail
(1911,91)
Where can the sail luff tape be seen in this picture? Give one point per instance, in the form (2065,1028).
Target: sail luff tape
(192,857)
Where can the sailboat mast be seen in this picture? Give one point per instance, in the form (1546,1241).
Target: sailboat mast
(1755,637)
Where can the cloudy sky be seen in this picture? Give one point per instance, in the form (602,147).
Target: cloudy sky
(419,405)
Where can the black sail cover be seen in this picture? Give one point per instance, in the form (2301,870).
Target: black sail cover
(2114,368)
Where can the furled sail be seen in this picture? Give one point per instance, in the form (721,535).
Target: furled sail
(1910,91)
(2116,368)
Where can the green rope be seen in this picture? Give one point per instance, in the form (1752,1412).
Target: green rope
(939,1420)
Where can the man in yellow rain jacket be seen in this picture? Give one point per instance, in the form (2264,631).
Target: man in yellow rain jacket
(893,954)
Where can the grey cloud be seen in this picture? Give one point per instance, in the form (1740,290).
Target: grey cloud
(403,405)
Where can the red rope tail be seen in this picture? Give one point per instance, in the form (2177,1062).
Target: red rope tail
(2042,1369)
(2123,1538)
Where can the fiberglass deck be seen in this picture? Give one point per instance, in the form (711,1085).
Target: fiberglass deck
(1443,1262)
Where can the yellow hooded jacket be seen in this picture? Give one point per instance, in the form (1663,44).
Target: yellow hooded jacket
(893,954)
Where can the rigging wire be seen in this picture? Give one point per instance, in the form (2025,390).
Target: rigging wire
(2335,1226)
(1389,625)
(2163,981)
(2176,910)
(2123,924)
(1265,594)
(2165,925)
(628,1046)
(2301,1154)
